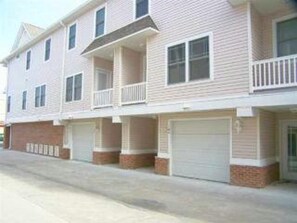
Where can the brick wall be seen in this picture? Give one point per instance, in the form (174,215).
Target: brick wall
(161,166)
(136,161)
(103,158)
(6,139)
(258,177)
(37,133)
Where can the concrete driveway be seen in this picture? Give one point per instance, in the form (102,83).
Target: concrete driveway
(69,191)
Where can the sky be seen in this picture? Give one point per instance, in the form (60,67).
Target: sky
(37,12)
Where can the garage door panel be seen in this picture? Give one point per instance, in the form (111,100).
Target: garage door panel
(83,142)
(203,172)
(200,141)
(204,127)
(201,149)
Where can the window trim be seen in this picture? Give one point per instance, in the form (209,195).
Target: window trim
(105,19)
(45,99)
(187,69)
(274,30)
(134,10)
(68,35)
(29,50)
(44,60)
(82,88)
(26,104)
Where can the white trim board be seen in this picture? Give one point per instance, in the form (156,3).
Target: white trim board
(106,149)
(138,152)
(253,162)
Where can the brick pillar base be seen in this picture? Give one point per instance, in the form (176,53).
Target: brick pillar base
(257,177)
(64,153)
(136,161)
(161,166)
(6,139)
(103,158)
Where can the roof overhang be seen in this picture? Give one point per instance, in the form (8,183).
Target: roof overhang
(237,2)
(131,36)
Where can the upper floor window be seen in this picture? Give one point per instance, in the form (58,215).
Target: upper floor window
(47,52)
(24,100)
(74,88)
(142,8)
(8,103)
(72,37)
(40,96)
(28,60)
(189,61)
(287,37)
(100,22)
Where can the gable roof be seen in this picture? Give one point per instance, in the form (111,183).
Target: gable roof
(26,33)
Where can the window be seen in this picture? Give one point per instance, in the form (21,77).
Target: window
(8,103)
(287,37)
(24,100)
(177,64)
(72,37)
(28,60)
(100,22)
(40,96)
(47,52)
(189,61)
(142,8)
(74,88)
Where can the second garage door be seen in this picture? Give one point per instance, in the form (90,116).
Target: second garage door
(201,149)
(83,142)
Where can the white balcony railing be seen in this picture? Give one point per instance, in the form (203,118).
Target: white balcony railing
(134,93)
(103,98)
(275,73)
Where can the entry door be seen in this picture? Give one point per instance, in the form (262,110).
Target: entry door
(103,80)
(290,151)
(83,142)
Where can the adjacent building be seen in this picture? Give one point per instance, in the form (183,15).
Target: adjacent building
(199,89)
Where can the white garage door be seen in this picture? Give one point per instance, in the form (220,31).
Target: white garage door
(83,142)
(201,149)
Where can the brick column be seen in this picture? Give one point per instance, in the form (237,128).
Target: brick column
(161,166)
(64,153)
(134,161)
(257,177)
(6,140)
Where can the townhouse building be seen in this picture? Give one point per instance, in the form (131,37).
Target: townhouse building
(199,89)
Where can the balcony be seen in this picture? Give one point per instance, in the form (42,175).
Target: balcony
(103,98)
(134,94)
(274,73)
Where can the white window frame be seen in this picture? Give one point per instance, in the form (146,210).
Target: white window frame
(29,50)
(105,19)
(45,98)
(44,60)
(82,87)
(187,78)
(26,103)
(134,10)
(68,36)
(274,30)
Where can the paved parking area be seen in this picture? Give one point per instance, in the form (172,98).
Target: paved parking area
(69,191)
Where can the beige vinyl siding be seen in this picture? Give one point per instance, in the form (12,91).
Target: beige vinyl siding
(257,34)
(244,144)
(267,134)
(142,133)
(189,20)
(131,66)
(111,134)
(103,64)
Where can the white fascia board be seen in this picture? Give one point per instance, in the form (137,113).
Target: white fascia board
(246,112)
(258,101)
(237,2)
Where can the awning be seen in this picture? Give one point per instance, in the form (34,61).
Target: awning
(131,36)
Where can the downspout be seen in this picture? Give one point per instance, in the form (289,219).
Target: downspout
(63,71)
